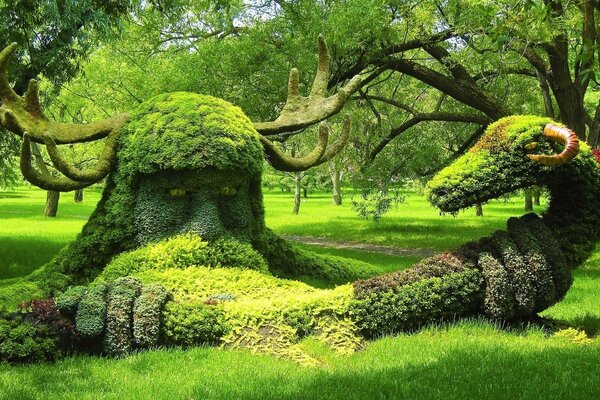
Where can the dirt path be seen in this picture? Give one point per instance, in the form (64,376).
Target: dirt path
(338,244)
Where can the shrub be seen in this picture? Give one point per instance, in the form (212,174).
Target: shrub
(45,313)
(537,263)
(289,262)
(232,253)
(90,318)
(20,289)
(23,341)
(119,310)
(192,323)
(147,315)
(37,332)
(410,306)
(376,203)
(522,278)
(436,266)
(498,301)
(184,251)
(68,301)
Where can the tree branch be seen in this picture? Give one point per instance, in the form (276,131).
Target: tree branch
(418,118)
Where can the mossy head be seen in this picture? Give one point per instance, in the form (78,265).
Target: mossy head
(498,164)
(188,131)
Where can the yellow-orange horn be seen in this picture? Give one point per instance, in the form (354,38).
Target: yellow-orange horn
(561,135)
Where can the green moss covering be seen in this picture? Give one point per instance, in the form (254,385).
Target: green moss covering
(174,141)
(190,131)
(495,165)
(189,167)
(499,301)
(184,251)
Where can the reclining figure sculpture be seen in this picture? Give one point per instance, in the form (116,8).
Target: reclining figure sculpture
(188,164)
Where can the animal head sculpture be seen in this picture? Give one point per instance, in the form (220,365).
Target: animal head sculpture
(515,152)
(187,162)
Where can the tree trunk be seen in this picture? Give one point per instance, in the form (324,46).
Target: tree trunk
(304,192)
(478,210)
(536,196)
(528,200)
(51,203)
(78,195)
(297,191)
(336,198)
(545,88)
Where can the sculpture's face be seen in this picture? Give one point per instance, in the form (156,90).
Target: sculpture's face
(192,164)
(207,202)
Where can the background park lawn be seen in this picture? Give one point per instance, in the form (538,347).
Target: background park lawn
(467,359)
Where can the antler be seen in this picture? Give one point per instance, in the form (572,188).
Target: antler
(43,179)
(24,117)
(320,154)
(300,112)
(24,114)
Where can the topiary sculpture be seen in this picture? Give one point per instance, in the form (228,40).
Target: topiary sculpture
(511,274)
(181,162)
(183,202)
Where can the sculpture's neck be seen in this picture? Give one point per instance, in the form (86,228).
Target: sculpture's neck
(574,212)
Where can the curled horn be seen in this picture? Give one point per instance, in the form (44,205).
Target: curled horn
(561,135)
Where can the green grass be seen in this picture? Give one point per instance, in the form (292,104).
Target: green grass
(27,238)
(465,360)
(413,224)
(469,360)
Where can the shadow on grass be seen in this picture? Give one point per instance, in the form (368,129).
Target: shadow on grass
(12,195)
(459,374)
(431,233)
(21,256)
(429,366)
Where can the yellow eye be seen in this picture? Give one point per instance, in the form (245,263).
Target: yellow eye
(227,191)
(178,192)
(531,146)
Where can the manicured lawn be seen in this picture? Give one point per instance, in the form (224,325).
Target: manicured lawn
(28,240)
(414,224)
(472,359)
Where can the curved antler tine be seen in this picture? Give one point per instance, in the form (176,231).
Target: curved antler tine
(43,180)
(9,120)
(85,176)
(339,144)
(349,88)
(24,114)
(6,92)
(32,99)
(319,87)
(283,162)
(293,83)
(300,112)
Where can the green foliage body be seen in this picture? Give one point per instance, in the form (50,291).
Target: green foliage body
(91,312)
(513,273)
